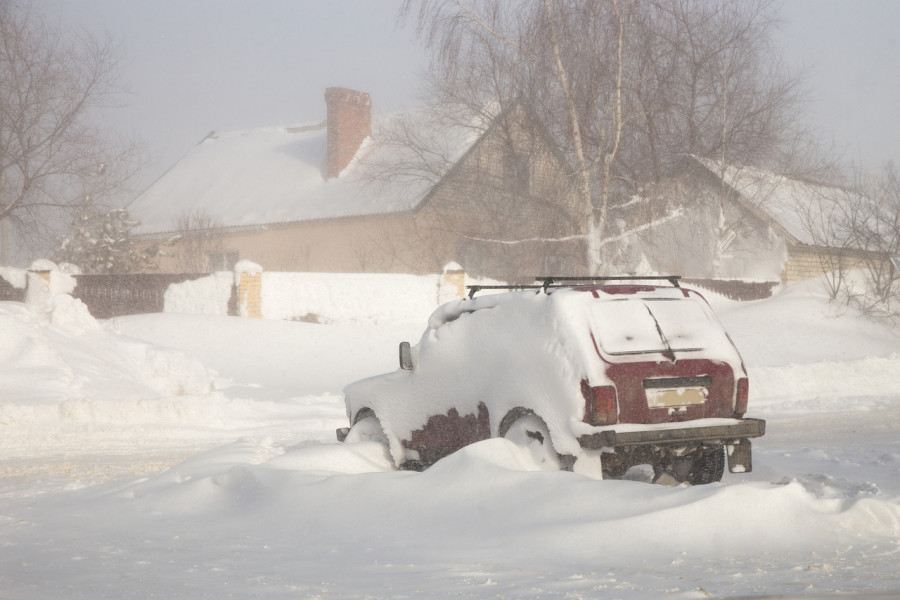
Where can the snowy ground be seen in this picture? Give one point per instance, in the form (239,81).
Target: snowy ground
(127,470)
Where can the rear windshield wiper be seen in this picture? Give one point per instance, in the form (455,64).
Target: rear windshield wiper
(662,336)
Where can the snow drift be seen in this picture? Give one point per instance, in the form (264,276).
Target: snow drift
(237,489)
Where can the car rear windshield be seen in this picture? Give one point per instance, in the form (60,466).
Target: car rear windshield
(644,325)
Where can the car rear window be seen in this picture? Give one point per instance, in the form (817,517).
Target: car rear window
(644,325)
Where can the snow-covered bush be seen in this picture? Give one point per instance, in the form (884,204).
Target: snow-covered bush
(100,241)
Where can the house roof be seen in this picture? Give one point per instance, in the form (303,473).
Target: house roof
(278,175)
(801,210)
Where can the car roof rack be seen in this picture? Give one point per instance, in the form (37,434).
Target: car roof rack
(555,281)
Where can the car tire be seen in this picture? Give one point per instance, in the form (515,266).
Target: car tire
(367,429)
(530,432)
(707,467)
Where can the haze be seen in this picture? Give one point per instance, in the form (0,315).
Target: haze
(204,65)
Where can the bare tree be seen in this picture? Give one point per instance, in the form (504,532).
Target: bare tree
(871,220)
(490,56)
(625,88)
(53,158)
(827,217)
(711,82)
(857,229)
(197,237)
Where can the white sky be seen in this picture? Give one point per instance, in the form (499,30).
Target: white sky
(195,66)
(853,50)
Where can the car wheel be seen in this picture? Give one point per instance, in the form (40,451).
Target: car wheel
(367,429)
(530,432)
(707,467)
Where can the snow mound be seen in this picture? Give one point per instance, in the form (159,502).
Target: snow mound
(252,484)
(829,384)
(68,356)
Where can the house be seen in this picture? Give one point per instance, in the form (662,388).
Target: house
(734,222)
(353,193)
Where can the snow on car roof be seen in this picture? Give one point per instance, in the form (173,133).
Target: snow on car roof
(623,319)
(451,311)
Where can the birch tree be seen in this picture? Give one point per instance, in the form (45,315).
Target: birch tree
(626,89)
(488,55)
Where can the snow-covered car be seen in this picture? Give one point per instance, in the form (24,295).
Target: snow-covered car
(593,375)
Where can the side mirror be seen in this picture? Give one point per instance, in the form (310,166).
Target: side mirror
(406,362)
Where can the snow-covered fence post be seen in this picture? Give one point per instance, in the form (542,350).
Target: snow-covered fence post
(248,278)
(452,285)
(45,280)
(37,291)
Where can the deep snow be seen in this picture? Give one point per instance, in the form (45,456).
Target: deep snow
(193,456)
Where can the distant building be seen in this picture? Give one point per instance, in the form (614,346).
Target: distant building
(328,197)
(404,194)
(736,222)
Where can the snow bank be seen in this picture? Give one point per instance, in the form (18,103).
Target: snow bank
(319,297)
(68,356)
(287,512)
(349,297)
(798,325)
(827,385)
(205,296)
(14,276)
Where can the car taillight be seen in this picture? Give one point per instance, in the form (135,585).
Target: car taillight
(742,398)
(600,404)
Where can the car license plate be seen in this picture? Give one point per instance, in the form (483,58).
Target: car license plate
(665,398)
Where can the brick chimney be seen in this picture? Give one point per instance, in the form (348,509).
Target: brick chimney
(349,122)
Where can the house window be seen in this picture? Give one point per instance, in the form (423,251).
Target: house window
(222,260)
(517,173)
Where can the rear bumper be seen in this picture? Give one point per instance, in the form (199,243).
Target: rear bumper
(745,428)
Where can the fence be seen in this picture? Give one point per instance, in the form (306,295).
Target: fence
(10,293)
(322,297)
(735,289)
(109,296)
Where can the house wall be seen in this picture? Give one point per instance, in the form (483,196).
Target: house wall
(506,210)
(380,243)
(757,251)
(700,229)
(681,228)
(808,262)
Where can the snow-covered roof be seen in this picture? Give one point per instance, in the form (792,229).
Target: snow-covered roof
(797,207)
(278,175)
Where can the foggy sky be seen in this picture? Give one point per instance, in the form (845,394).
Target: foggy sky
(195,66)
(853,50)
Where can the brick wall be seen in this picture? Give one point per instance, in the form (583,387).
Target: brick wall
(805,262)
(251,295)
(349,122)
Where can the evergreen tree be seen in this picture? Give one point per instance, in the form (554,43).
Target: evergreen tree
(100,241)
